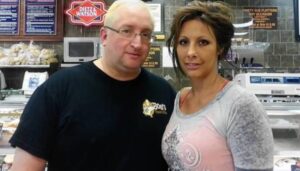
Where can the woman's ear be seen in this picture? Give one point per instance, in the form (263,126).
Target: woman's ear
(220,51)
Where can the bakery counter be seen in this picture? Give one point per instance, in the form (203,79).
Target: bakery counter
(11,108)
(5,147)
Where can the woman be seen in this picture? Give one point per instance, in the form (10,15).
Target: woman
(216,125)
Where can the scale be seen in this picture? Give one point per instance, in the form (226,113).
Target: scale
(32,80)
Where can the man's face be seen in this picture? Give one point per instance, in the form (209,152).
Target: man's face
(127,53)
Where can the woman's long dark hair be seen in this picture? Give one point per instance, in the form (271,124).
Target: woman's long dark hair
(217,15)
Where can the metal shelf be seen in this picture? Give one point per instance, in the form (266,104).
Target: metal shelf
(284,146)
(24,66)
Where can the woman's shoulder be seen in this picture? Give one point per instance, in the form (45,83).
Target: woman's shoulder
(234,90)
(184,91)
(182,94)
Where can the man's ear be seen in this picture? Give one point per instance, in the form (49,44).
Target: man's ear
(103,35)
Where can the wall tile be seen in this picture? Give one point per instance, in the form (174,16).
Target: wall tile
(274,61)
(287,61)
(261,36)
(297,61)
(242,3)
(273,36)
(290,24)
(255,3)
(267,2)
(279,48)
(292,48)
(231,2)
(286,36)
(281,24)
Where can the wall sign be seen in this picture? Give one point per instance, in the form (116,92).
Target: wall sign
(40,18)
(9,17)
(26,20)
(156,10)
(263,17)
(86,12)
(153,59)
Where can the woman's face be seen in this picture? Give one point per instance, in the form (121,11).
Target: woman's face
(197,50)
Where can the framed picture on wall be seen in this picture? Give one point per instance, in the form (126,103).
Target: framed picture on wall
(297,18)
(156,10)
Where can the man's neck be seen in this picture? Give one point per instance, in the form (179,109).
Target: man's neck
(114,73)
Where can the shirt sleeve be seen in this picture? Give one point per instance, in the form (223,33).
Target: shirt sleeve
(36,130)
(249,135)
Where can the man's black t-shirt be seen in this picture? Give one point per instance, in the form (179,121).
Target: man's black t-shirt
(81,119)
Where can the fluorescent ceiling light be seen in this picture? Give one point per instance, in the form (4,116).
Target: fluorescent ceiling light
(247,24)
(240,33)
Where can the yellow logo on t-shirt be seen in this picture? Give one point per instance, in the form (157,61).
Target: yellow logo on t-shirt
(151,108)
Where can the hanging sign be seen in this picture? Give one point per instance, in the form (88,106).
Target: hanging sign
(86,12)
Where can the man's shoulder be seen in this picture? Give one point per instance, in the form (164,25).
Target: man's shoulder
(71,71)
(153,76)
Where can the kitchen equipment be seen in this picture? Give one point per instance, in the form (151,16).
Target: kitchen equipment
(32,80)
(279,93)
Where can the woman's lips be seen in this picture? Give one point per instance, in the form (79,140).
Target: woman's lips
(192,66)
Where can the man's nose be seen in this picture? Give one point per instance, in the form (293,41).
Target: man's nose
(137,41)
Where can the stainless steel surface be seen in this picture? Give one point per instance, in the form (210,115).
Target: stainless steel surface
(288,146)
(14,100)
(279,93)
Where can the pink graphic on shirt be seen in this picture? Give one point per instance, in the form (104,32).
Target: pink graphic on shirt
(198,148)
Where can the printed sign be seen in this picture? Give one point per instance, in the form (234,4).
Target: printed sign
(263,17)
(40,17)
(153,59)
(9,12)
(86,12)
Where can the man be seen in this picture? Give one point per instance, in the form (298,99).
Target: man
(108,114)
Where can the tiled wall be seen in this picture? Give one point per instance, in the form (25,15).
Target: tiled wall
(283,51)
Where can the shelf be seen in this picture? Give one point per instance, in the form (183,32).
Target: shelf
(255,46)
(283,112)
(288,146)
(63,65)
(24,66)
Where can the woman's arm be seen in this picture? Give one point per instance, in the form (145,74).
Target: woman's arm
(250,136)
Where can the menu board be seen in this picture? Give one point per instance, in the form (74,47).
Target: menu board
(26,20)
(9,12)
(40,17)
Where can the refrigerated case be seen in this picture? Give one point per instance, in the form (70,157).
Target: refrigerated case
(11,108)
(279,93)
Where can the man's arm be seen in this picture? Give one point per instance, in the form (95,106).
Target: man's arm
(24,161)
